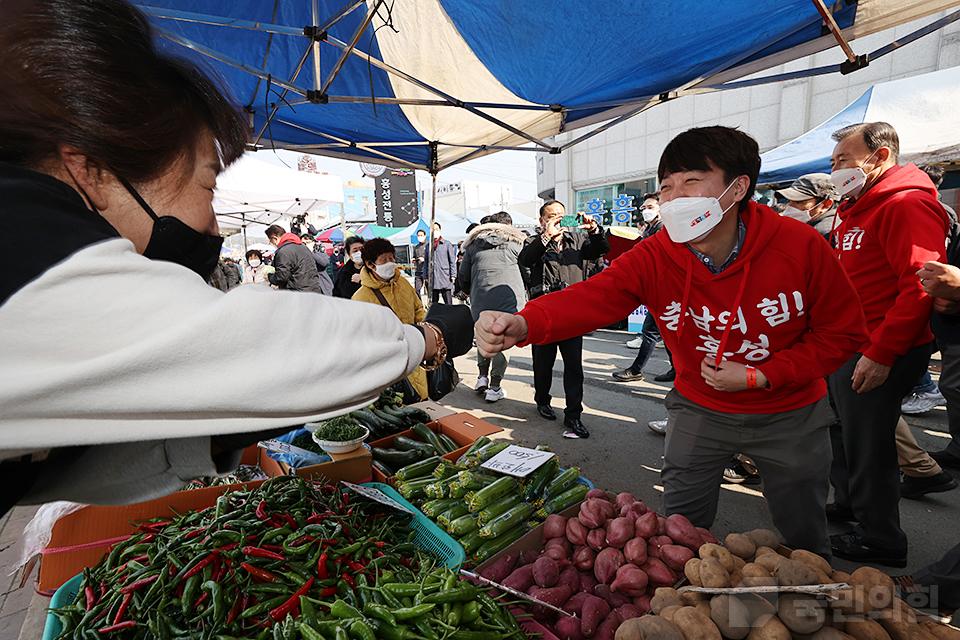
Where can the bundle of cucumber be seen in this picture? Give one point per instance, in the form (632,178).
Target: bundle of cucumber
(407,451)
(388,416)
(486,511)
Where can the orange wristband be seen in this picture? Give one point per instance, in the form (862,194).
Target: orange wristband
(751,377)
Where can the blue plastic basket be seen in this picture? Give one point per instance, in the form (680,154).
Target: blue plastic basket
(64,596)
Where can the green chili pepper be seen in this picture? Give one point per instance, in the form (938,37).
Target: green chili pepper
(263,607)
(413,612)
(189,591)
(471,612)
(463,593)
(374,610)
(341,609)
(361,631)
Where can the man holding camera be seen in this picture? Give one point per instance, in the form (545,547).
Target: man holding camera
(555,258)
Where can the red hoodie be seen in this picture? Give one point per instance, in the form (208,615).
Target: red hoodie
(884,239)
(289,237)
(795,321)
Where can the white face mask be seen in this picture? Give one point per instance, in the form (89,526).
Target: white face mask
(796,214)
(849,181)
(387,270)
(649,215)
(690,219)
(254,263)
(355,256)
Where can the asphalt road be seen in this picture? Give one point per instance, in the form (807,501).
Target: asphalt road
(622,454)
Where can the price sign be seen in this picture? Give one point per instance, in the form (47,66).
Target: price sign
(283,447)
(376,495)
(517,461)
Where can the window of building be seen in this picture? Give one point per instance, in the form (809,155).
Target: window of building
(351,199)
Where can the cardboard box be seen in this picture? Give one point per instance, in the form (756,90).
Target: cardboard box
(434,410)
(353,466)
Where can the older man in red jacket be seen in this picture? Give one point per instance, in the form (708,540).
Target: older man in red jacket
(892,224)
(730,277)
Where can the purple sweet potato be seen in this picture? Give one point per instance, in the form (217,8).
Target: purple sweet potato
(591,515)
(594,610)
(642,603)
(570,577)
(569,628)
(608,628)
(634,510)
(683,532)
(554,526)
(630,580)
(614,598)
(597,539)
(624,499)
(583,558)
(587,583)
(555,596)
(599,494)
(619,530)
(558,555)
(521,579)
(501,568)
(528,557)
(628,611)
(576,532)
(609,509)
(574,604)
(659,574)
(561,543)
(646,525)
(661,526)
(635,551)
(606,565)
(708,538)
(675,556)
(546,573)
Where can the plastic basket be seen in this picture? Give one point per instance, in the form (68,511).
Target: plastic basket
(64,596)
(429,536)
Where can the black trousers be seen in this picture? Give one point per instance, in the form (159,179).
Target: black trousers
(865,472)
(544,358)
(447,296)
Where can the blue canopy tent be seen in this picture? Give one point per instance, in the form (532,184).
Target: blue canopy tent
(923,110)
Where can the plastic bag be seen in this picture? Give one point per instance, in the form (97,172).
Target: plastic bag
(442,380)
(295,460)
(37,533)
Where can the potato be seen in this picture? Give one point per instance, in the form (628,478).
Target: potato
(841,577)
(692,571)
(712,573)
(736,578)
(755,575)
(829,633)
(851,602)
(691,598)
(791,573)
(718,552)
(738,562)
(940,631)
(877,585)
(664,597)
(669,612)
(757,606)
(812,559)
(823,578)
(898,610)
(731,617)
(648,628)
(770,629)
(834,619)
(764,538)
(902,629)
(695,625)
(764,550)
(863,628)
(704,608)
(740,545)
(769,561)
(800,613)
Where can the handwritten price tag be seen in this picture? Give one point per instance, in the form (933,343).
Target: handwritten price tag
(517,461)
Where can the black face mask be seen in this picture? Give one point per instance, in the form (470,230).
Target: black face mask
(175,241)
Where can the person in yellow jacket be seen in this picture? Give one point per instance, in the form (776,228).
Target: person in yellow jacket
(382,282)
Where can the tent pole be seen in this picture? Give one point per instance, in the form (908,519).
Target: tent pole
(244,227)
(343,224)
(430,247)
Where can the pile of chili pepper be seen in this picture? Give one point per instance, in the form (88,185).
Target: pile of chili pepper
(294,559)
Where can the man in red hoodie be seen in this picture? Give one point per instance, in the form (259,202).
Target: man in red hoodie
(892,224)
(730,276)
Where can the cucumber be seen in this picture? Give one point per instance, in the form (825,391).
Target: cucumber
(471,542)
(463,525)
(409,444)
(418,469)
(424,432)
(498,507)
(392,419)
(395,458)
(480,456)
(440,488)
(491,493)
(492,547)
(445,470)
(414,413)
(475,479)
(451,514)
(506,521)
(413,488)
(447,442)
(371,421)
(562,482)
(568,498)
(382,468)
(480,442)
(433,508)
(540,479)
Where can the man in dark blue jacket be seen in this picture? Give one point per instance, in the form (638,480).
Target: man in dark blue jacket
(444,266)
(294,266)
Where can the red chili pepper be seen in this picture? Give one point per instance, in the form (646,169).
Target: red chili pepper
(126,624)
(91,599)
(350,581)
(281,612)
(229,565)
(356,567)
(230,547)
(346,499)
(257,572)
(153,527)
(203,563)
(330,543)
(203,598)
(273,547)
(179,591)
(139,558)
(291,521)
(257,552)
(377,543)
(123,608)
(261,511)
(133,586)
(329,591)
(195,533)
(321,569)
(234,610)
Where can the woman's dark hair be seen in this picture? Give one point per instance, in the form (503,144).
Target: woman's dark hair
(352,240)
(87,73)
(253,252)
(733,152)
(376,247)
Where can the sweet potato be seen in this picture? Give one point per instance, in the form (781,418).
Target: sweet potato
(521,579)
(568,628)
(501,568)
(695,625)
(799,612)
(731,617)
(528,557)
(642,603)
(792,573)
(635,551)
(554,526)
(661,526)
(764,538)
(634,510)
(683,533)
(555,596)
(692,571)
(608,628)
(614,598)
(812,559)
(594,610)
(659,574)
(740,545)
(576,532)
(769,629)
(597,494)
(583,558)
(630,580)
(718,552)
(708,538)
(675,556)
(619,530)
(561,543)
(877,586)
(609,509)
(546,573)
(624,499)
(607,563)
(558,556)
(597,539)
(663,598)
(591,515)
(575,603)
(713,574)
(630,611)
(587,582)
(646,525)
(570,577)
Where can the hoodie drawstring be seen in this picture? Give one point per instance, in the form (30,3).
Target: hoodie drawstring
(733,313)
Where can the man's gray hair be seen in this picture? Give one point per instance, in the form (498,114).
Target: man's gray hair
(875,135)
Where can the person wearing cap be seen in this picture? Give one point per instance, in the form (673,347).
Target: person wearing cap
(812,199)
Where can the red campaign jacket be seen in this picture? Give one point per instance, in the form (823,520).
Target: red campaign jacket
(794,321)
(883,240)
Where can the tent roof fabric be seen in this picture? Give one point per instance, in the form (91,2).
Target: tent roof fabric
(454,79)
(921,108)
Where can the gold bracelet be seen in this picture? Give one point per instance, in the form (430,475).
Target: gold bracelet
(441,356)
